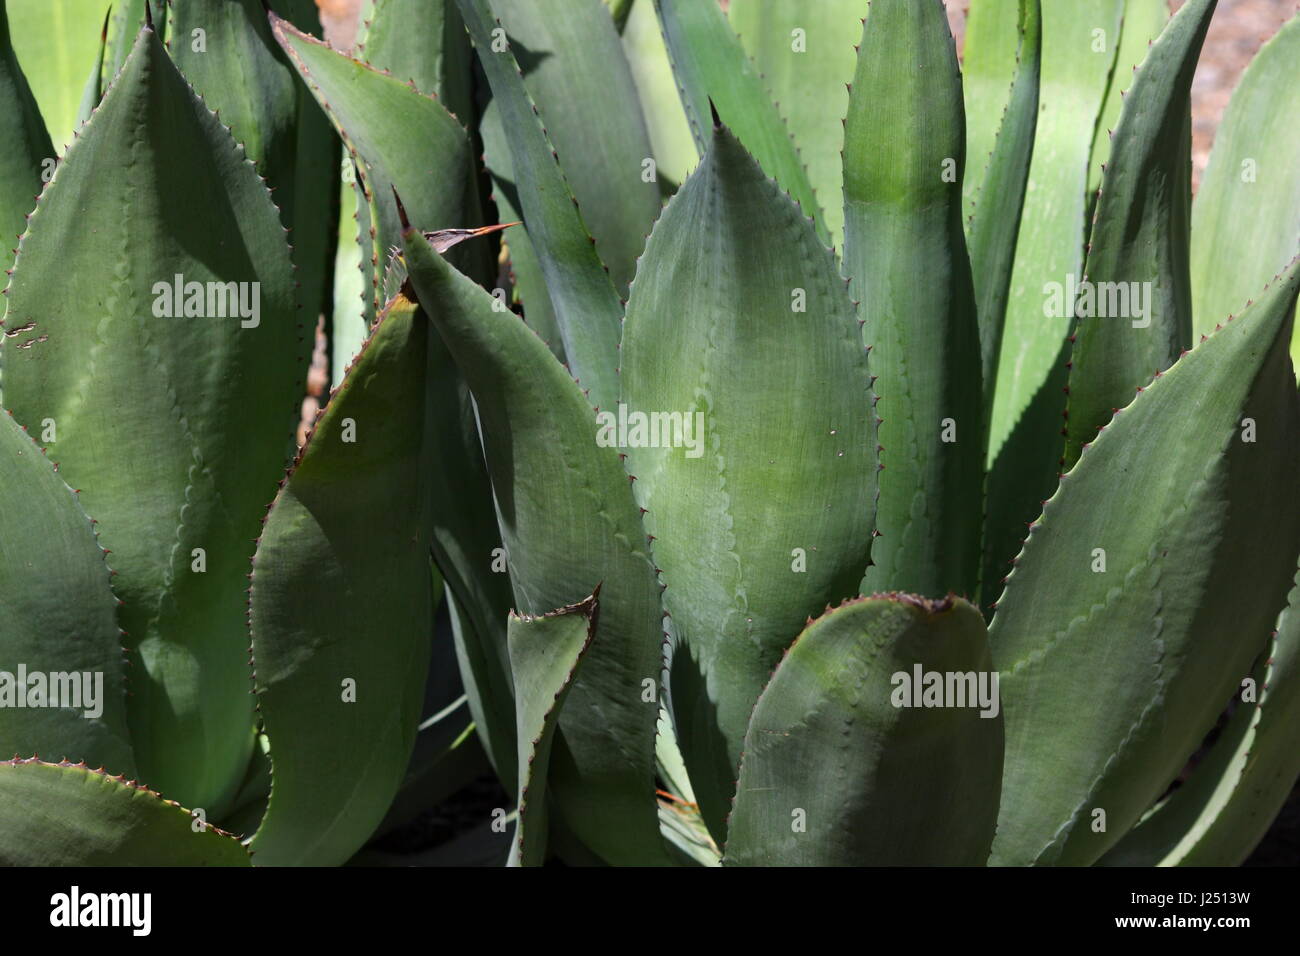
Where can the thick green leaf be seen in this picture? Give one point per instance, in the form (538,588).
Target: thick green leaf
(665,116)
(569,522)
(572,57)
(845,767)
(421,42)
(587,307)
(68,815)
(399,138)
(353,283)
(341,607)
(905,251)
(226,50)
(1142,22)
(996,206)
(1147,588)
(153,413)
(95,83)
(57,42)
(1247,211)
(59,619)
(1135,309)
(1217,817)
(761,504)
(990,56)
(714,71)
(805,53)
(27,146)
(1079,43)
(545,653)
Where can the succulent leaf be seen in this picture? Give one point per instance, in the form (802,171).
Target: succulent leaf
(665,114)
(57,41)
(27,146)
(1140,318)
(991,53)
(422,42)
(129,363)
(587,307)
(59,617)
(571,62)
(1221,812)
(838,773)
(341,607)
(1247,211)
(568,522)
(545,653)
(62,814)
(906,254)
(1147,588)
(714,73)
(805,55)
(997,205)
(762,503)
(1079,43)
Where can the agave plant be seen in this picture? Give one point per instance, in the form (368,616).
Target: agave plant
(760,534)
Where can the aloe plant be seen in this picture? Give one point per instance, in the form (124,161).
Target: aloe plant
(824,473)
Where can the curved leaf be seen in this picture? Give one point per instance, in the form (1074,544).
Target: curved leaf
(805,54)
(1246,217)
(57,42)
(67,815)
(59,617)
(545,653)
(587,307)
(761,502)
(713,71)
(341,607)
(1219,815)
(1140,316)
(150,398)
(1146,589)
(27,146)
(842,768)
(568,522)
(572,61)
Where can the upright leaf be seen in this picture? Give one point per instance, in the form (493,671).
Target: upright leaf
(27,147)
(421,42)
(587,307)
(568,522)
(906,254)
(997,205)
(59,617)
(398,137)
(1079,43)
(665,116)
(1247,211)
(805,54)
(847,764)
(226,50)
(174,321)
(544,655)
(62,814)
(57,42)
(991,53)
(1135,304)
(714,71)
(341,607)
(761,502)
(572,58)
(1147,588)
